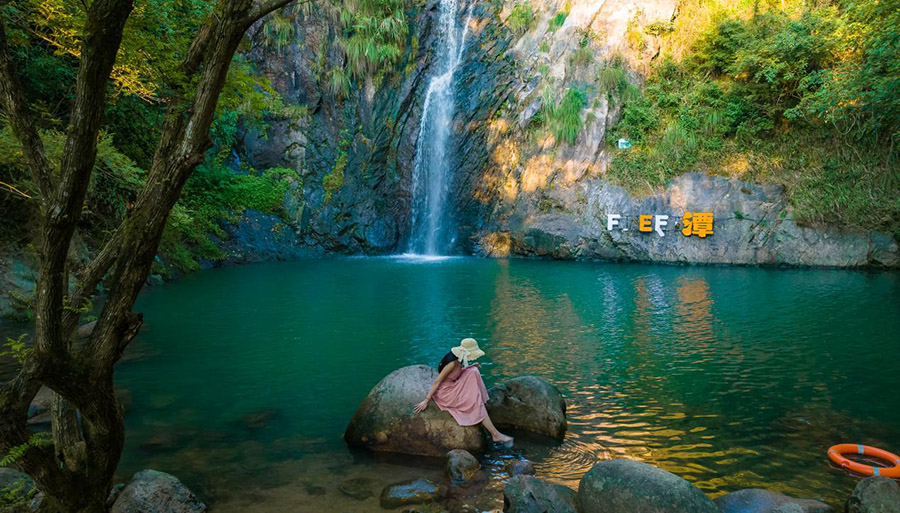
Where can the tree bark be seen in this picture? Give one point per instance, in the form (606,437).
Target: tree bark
(75,471)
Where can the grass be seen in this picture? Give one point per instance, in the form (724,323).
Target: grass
(521,18)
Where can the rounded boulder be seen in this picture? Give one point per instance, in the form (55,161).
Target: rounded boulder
(385,420)
(875,494)
(627,485)
(151,490)
(528,403)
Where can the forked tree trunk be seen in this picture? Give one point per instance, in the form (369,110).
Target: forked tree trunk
(75,471)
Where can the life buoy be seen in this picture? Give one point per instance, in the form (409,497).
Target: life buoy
(836,454)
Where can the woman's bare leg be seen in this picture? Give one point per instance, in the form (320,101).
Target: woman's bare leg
(496,435)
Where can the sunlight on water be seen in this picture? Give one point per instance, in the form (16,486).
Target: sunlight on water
(244,379)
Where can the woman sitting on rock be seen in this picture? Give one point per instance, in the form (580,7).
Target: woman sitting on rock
(460,390)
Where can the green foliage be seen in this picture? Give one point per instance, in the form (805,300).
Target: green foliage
(334,179)
(559,18)
(375,33)
(338,83)
(564,118)
(521,18)
(796,96)
(278,30)
(14,453)
(544,47)
(16,348)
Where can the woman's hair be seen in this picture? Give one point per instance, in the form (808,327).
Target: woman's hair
(446,360)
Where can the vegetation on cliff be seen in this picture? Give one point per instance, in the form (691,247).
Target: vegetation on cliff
(805,96)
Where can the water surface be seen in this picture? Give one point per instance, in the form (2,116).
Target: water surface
(244,378)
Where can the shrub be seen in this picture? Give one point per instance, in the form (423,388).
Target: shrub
(521,18)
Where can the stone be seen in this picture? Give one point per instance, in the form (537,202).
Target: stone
(528,403)
(528,494)
(385,420)
(635,487)
(258,419)
(875,494)
(461,466)
(416,491)
(758,500)
(520,467)
(359,488)
(157,492)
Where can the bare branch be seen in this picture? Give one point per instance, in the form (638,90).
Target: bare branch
(20,119)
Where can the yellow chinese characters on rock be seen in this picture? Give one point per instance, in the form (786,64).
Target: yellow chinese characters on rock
(697,223)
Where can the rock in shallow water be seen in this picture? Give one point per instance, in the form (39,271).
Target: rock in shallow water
(875,495)
(758,500)
(417,491)
(528,403)
(461,466)
(157,492)
(520,467)
(528,494)
(386,422)
(359,488)
(635,487)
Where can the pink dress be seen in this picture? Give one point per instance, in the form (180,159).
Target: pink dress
(463,394)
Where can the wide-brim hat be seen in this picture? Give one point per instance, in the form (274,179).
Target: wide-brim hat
(467,350)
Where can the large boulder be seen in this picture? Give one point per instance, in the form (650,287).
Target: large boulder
(758,500)
(528,494)
(156,492)
(386,422)
(875,495)
(528,403)
(635,487)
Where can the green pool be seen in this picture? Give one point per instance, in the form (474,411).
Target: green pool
(244,378)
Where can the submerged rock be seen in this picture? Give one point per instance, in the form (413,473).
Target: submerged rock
(359,488)
(461,466)
(528,494)
(158,492)
(417,491)
(635,487)
(876,494)
(386,422)
(758,500)
(520,467)
(528,403)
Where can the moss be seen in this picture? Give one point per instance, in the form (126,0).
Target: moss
(334,180)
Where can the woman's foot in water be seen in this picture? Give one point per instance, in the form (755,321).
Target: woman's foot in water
(500,438)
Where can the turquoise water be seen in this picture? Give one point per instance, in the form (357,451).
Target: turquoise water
(244,378)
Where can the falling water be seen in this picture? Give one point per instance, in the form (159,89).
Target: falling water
(432,231)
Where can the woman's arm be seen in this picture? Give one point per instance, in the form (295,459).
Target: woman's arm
(434,386)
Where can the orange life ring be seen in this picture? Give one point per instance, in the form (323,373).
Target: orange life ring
(836,454)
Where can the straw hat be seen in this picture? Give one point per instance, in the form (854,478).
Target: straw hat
(467,350)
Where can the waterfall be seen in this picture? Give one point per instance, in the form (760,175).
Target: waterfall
(432,226)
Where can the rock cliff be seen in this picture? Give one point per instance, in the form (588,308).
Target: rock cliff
(515,189)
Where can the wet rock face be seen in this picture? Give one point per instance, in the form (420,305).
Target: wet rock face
(528,494)
(151,490)
(626,485)
(386,422)
(528,403)
(752,224)
(16,486)
(875,495)
(417,491)
(461,466)
(757,500)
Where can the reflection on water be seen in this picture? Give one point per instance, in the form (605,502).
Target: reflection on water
(731,378)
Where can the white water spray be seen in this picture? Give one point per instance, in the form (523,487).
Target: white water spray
(432,225)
